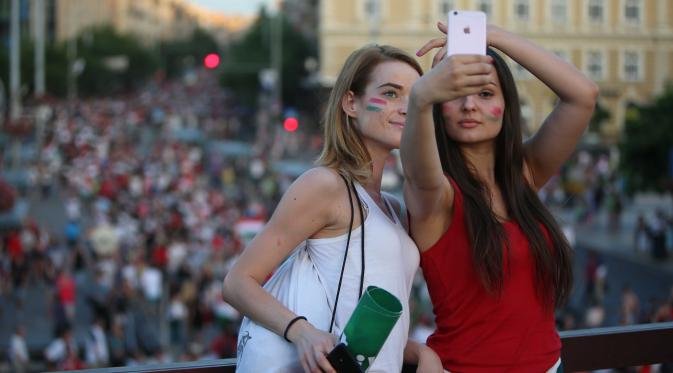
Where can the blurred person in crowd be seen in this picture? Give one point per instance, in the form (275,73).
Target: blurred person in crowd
(96,345)
(615,207)
(495,260)
(658,230)
(63,353)
(363,123)
(116,343)
(641,235)
(17,352)
(595,275)
(630,307)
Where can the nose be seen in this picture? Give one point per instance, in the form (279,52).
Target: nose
(403,105)
(468,103)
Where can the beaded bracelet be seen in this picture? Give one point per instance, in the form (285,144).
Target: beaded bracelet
(287,328)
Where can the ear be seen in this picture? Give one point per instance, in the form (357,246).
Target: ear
(348,104)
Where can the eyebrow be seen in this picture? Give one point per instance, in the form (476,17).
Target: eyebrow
(396,86)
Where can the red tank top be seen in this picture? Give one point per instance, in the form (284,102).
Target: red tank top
(477,331)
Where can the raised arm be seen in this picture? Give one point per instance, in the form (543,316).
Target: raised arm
(557,138)
(427,192)
(301,213)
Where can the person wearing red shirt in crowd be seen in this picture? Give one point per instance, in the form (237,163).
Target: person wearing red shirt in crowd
(495,261)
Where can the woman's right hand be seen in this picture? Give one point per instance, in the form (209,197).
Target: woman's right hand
(313,345)
(453,77)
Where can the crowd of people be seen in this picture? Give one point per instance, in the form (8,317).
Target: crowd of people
(153,212)
(154,216)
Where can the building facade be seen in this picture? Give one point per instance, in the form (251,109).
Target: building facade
(625,46)
(149,20)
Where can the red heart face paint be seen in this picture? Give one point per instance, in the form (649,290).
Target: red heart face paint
(376,104)
(496,112)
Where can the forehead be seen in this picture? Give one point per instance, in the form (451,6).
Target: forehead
(396,72)
(495,81)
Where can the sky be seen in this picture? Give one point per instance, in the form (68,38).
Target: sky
(247,7)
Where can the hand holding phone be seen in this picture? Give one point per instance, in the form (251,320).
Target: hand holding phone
(342,360)
(466,33)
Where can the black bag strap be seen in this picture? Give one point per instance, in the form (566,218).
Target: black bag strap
(348,240)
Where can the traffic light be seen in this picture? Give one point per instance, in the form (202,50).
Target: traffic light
(290,124)
(211,60)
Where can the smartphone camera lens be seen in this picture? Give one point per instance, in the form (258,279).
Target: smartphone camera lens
(455,13)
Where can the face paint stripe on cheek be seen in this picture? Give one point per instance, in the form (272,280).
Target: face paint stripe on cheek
(375,104)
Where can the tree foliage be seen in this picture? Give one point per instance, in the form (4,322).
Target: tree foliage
(599,116)
(647,142)
(246,58)
(101,43)
(178,55)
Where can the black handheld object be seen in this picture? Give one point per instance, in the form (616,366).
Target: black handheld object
(342,360)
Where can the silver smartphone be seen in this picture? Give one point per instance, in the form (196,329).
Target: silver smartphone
(466,32)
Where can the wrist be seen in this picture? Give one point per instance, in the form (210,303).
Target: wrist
(417,99)
(295,328)
(495,35)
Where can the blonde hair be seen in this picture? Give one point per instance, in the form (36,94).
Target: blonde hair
(343,148)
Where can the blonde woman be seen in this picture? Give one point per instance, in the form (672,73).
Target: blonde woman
(364,120)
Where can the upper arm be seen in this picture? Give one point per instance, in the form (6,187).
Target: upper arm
(302,212)
(429,221)
(555,141)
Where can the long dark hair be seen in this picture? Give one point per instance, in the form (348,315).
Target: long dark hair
(553,271)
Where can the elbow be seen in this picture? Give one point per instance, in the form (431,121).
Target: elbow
(229,286)
(594,91)
(589,95)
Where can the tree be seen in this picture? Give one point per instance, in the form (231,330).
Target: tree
(55,68)
(245,59)
(599,116)
(646,144)
(178,55)
(97,45)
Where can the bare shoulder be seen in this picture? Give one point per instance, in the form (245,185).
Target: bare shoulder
(321,181)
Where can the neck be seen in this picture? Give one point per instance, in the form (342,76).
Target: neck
(379,156)
(481,158)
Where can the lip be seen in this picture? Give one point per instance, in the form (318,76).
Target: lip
(468,123)
(398,124)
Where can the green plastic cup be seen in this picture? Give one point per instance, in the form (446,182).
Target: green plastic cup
(370,324)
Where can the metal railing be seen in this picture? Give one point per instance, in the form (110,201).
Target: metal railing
(586,349)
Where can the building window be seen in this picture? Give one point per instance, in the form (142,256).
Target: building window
(631,66)
(522,9)
(596,10)
(373,9)
(632,12)
(595,65)
(445,6)
(559,11)
(486,6)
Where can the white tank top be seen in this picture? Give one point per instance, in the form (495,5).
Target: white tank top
(391,261)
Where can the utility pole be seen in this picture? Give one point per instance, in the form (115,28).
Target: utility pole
(277,56)
(14,64)
(39,35)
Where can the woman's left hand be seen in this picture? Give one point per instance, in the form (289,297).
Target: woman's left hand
(428,361)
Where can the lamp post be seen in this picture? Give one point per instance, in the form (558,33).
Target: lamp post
(14,64)
(39,31)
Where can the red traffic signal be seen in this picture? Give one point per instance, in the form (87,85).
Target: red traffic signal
(290,124)
(211,60)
